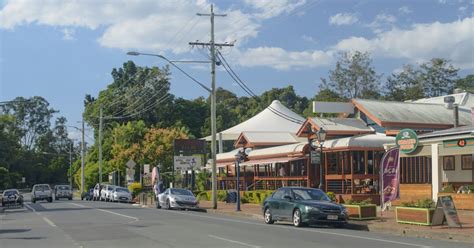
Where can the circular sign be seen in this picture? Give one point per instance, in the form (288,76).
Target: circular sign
(462,143)
(407,141)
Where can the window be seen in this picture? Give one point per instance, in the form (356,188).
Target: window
(466,162)
(448,163)
(278,194)
(415,170)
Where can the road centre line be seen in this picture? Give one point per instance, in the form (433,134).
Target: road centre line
(233,241)
(300,229)
(49,222)
(107,211)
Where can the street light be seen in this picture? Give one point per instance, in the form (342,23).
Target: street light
(212,92)
(321,134)
(241,156)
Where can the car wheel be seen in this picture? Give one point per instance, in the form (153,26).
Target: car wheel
(297,221)
(50,199)
(158,204)
(70,198)
(33,200)
(168,205)
(268,217)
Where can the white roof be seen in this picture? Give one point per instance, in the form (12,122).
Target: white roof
(464,99)
(366,140)
(274,118)
(278,150)
(272,137)
(342,124)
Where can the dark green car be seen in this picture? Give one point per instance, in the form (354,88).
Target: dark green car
(303,206)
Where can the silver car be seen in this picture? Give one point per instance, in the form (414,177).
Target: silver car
(41,192)
(178,199)
(120,194)
(62,191)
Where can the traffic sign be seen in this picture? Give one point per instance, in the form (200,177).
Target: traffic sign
(131,164)
(187,162)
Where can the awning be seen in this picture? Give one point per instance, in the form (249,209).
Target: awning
(270,161)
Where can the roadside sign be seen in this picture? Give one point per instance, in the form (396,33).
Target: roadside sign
(130,174)
(131,164)
(189,146)
(187,162)
(446,211)
(146,168)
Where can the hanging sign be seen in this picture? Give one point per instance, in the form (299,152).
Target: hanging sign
(407,141)
(390,175)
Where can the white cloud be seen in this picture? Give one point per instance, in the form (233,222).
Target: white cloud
(405,10)
(309,39)
(343,19)
(281,59)
(271,8)
(382,22)
(454,41)
(68,34)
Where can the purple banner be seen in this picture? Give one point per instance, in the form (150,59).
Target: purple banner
(390,175)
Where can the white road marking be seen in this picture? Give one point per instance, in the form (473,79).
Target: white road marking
(233,241)
(29,207)
(300,229)
(49,222)
(107,211)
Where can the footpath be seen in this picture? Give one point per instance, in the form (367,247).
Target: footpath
(387,224)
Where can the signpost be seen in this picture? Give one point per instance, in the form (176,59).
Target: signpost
(315,157)
(407,141)
(187,162)
(446,211)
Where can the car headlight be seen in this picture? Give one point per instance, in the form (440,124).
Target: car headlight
(311,209)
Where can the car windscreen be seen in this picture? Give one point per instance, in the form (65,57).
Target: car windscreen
(10,192)
(122,190)
(310,194)
(41,188)
(63,187)
(180,192)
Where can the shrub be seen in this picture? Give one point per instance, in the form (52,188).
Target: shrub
(448,189)
(423,203)
(202,196)
(221,195)
(244,199)
(360,203)
(331,196)
(135,188)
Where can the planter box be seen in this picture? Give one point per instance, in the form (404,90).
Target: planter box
(362,212)
(416,216)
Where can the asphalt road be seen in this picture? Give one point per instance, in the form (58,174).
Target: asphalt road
(100,224)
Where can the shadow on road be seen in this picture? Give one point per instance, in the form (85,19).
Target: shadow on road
(4,231)
(349,226)
(40,208)
(25,238)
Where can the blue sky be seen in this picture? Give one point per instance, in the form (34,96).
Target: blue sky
(63,50)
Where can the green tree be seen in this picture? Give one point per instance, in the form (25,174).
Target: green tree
(466,83)
(353,77)
(405,85)
(439,77)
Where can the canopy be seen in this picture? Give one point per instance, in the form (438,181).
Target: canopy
(360,141)
(274,118)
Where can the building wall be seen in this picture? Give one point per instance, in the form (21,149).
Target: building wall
(413,193)
(457,175)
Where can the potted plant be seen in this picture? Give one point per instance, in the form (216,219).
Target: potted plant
(419,213)
(361,210)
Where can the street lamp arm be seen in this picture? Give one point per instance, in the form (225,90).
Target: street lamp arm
(133,53)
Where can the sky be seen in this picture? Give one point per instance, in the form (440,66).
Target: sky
(65,49)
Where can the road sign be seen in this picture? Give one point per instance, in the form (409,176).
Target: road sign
(187,162)
(146,168)
(189,146)
(131,164)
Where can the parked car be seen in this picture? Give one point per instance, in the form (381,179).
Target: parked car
(12,197)
(120,194)
(106,191)
(41,192)
(303,206)
(88,195)
(62,191)
(178,199)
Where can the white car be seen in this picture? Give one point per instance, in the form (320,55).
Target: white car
(120,194)
(41,192)
(178,199)
(96,192)
(106,192)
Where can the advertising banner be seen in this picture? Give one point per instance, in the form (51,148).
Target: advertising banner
(390,175)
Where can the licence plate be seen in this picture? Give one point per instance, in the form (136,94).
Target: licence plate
(332,217)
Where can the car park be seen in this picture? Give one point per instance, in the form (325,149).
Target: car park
(62,191)
(106,191)
(12,198)
(303,206)
(173,198)
(120,194)
(41,192)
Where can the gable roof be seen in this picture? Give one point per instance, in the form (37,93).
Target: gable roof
(274,118)
(252,139)
(464,99)
(336,126)
(388,113)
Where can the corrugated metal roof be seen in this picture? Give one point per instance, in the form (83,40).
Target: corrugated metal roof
(272,137)
(342,124)
(367,140)
(408,112)
(449,132)
(464,99)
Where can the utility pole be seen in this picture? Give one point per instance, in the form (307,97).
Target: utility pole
(70,165)
(100,146)
(212,45)
(83,148)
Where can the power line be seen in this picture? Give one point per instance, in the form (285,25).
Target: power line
(237,79)
(162,99)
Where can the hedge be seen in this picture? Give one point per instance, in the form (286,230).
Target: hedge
(255,197)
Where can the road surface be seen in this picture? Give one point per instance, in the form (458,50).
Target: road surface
(101,224)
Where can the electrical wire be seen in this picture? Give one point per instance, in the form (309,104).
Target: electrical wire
(162,99)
